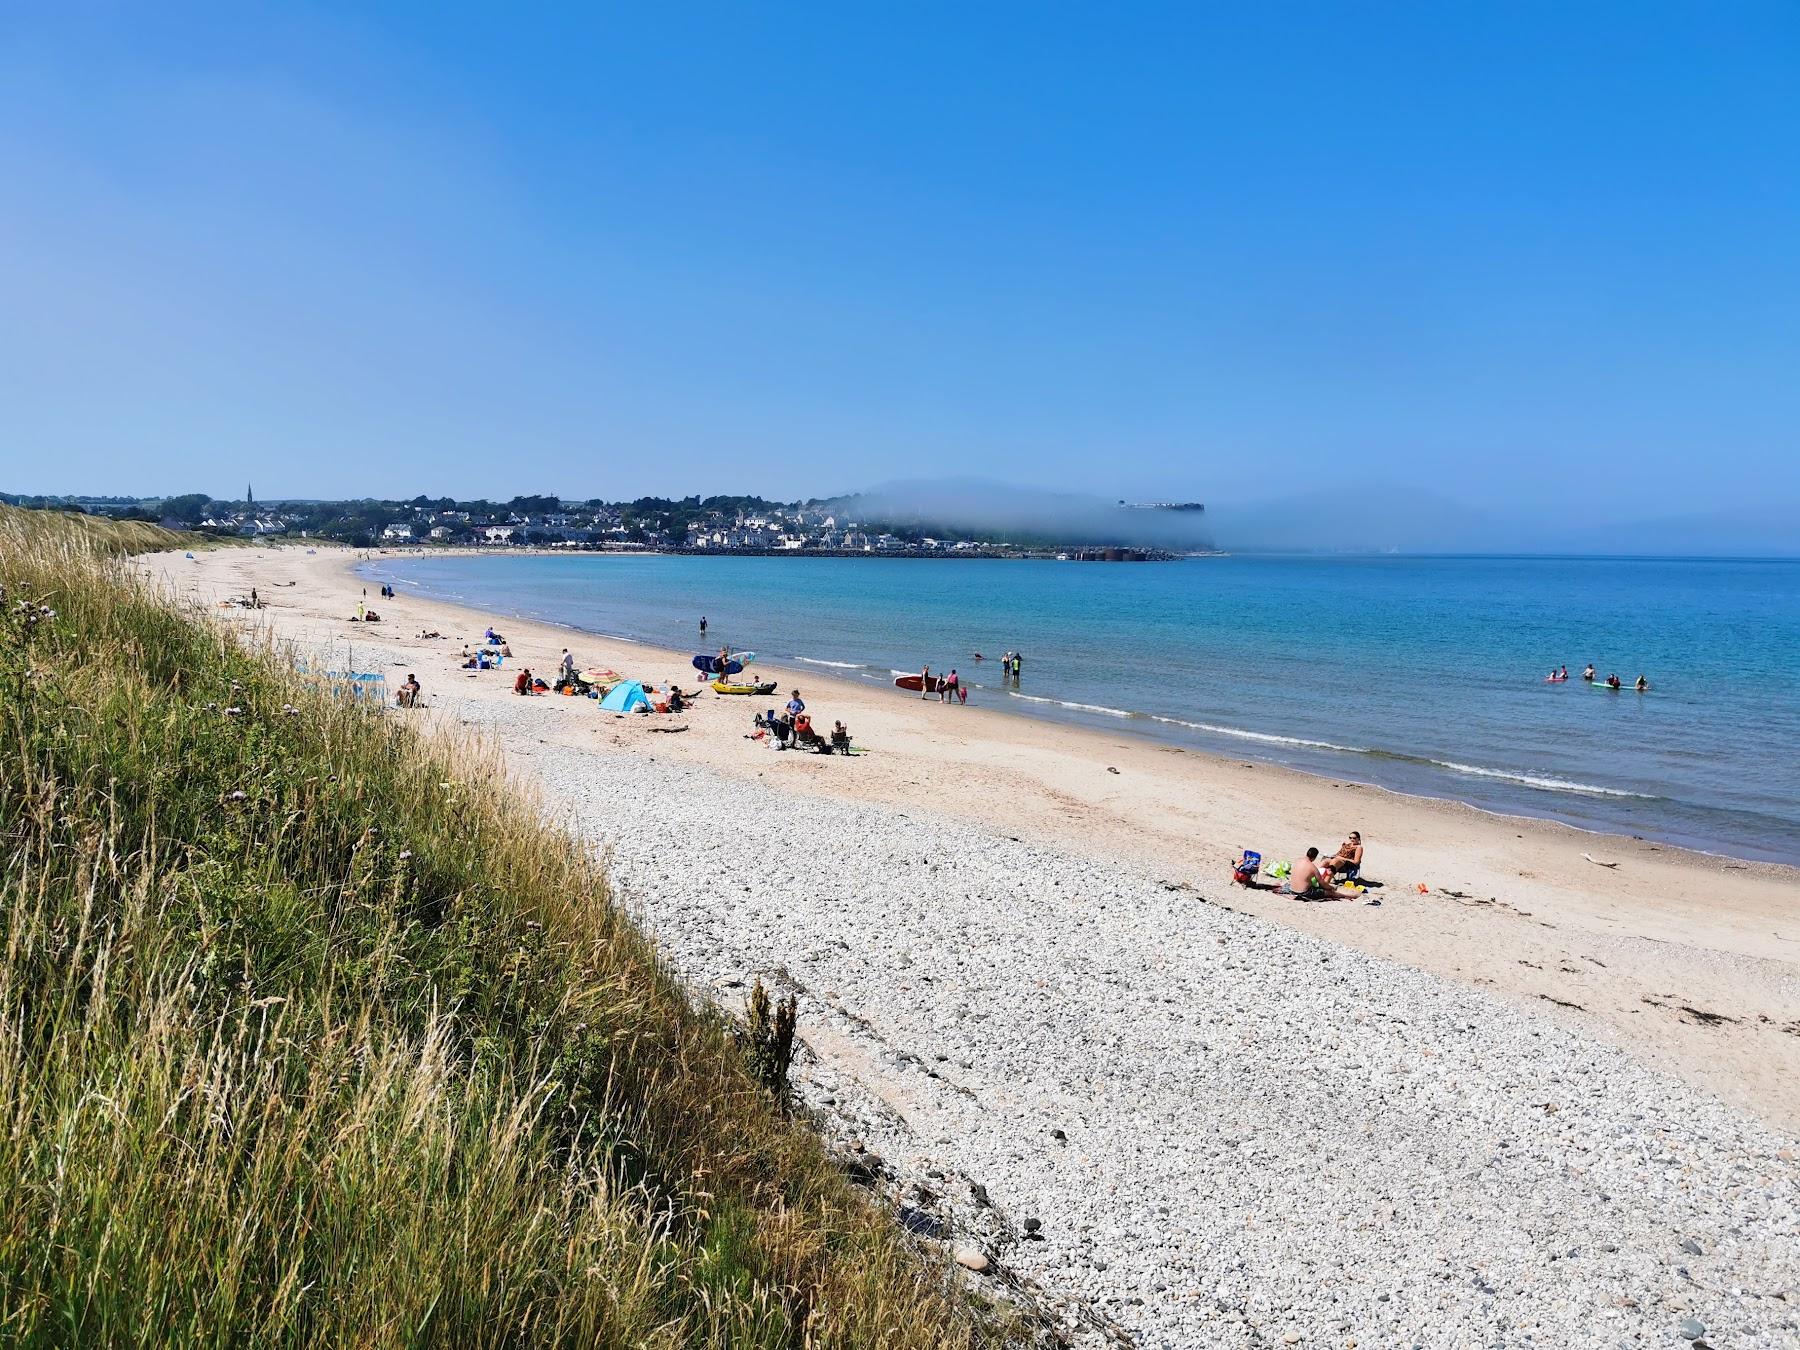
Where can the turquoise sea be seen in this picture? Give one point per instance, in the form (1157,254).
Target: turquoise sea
(1425,675)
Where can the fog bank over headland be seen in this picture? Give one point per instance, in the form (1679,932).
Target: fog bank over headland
(1362,517)
(977,509)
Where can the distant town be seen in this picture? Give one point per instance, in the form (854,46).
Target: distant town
(648,524)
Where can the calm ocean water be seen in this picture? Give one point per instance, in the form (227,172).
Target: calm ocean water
(1419,674)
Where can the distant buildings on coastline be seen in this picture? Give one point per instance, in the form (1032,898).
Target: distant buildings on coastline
(648,524)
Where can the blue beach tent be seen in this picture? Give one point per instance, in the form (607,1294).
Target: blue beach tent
(627,696)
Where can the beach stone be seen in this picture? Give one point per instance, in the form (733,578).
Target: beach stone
(1692,1248)
(1032,1225)
(970,1258)
(1692,1328)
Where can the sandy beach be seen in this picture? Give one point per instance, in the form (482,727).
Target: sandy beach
(1583,996)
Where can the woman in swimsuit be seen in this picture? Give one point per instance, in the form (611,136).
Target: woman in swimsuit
(1348,861)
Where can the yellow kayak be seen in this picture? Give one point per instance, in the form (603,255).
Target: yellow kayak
(723,687)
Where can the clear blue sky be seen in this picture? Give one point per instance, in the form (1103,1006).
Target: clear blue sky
(1529,255)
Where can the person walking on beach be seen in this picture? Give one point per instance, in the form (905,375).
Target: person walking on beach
(795,706)
(568,666)
(925,681)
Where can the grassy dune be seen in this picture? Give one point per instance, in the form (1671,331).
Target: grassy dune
(93,533)
(311,1034)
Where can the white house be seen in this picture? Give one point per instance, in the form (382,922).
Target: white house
(498,534)
(397,531)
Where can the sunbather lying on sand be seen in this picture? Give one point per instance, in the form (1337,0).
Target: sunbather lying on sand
(1308,882)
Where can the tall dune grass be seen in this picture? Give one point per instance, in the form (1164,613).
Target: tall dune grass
(310,1034)
(94,533)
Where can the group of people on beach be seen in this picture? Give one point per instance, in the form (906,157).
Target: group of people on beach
(1561,675)
(949,688)
(792,729)
(1309,879)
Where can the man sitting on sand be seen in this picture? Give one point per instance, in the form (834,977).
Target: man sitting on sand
(408,695)
(1308,882)
(1348,860)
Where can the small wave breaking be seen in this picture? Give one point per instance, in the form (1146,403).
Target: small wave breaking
(1078,707)
(1542,782)
(1267,738)
(835,665)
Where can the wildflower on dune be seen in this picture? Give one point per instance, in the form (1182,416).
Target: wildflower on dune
(234,712)
(405,853)
(236,796)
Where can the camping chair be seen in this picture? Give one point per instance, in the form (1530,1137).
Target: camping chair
(1245,872)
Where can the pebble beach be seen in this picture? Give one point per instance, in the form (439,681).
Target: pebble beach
(1171,1113)
(1228,1133)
